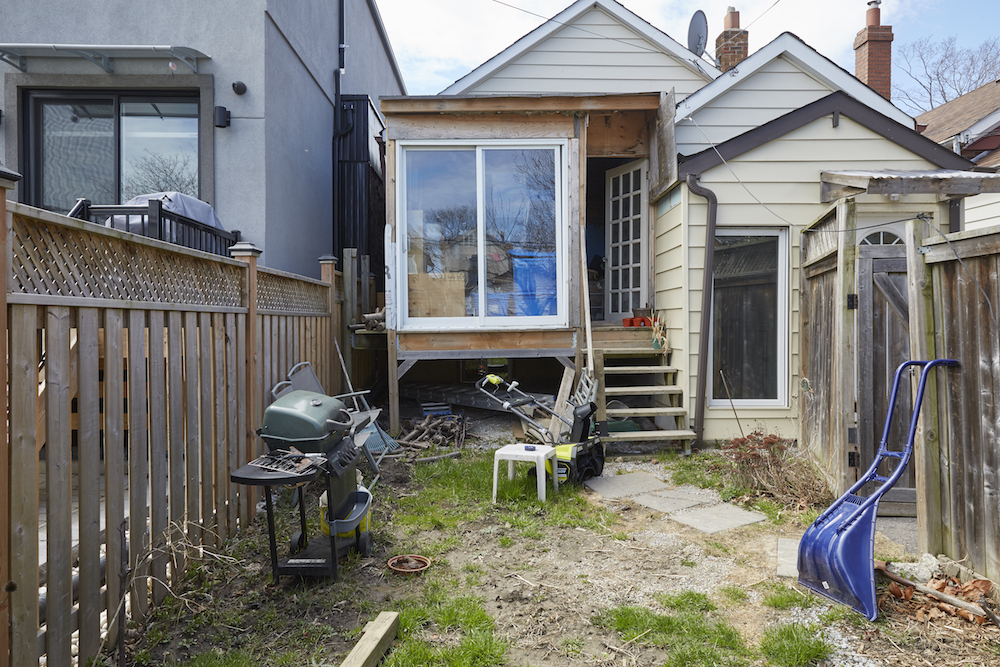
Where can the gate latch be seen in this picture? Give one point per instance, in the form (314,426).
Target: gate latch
(852,301)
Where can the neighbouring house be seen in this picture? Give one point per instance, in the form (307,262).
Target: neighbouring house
(970,126)
(235,103)
(598,160)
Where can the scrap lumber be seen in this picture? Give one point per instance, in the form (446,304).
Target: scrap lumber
(375,641)
(930,592)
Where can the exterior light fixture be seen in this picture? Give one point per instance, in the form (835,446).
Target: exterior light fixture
(239,87)
(222,117)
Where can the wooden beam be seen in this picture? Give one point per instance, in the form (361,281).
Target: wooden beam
(485,341)
(481,126)
(375,641)
(522,104)
(618,134)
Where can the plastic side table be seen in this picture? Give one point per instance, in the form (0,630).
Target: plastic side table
(538,456)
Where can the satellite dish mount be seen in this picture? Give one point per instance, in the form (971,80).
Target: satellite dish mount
(698,33)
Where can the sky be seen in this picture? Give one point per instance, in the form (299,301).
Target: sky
(437,42)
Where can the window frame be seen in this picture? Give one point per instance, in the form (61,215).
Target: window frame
(34,99)
(483,320)
(783,306)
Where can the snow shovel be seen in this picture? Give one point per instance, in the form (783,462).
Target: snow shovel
(836,553)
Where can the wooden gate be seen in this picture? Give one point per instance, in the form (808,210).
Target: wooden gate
(883,344)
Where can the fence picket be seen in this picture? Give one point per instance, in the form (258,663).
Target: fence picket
(114,463)
(175,432)
(138,463)
(219,446)
(159,470)
(192,429)
(208,515)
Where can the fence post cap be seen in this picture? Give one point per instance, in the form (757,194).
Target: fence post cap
(8,178)
(328,259)
(244,249)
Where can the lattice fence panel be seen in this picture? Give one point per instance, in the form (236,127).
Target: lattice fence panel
(56,260)
(280,292)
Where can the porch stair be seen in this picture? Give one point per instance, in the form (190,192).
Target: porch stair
(638,381)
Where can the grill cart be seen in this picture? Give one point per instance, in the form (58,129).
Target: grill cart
(311,436)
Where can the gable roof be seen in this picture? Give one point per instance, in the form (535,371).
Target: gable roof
(791,47)
(565,19)
(963,114)
(836,103)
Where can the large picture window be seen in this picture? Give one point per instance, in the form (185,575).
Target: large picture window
(109,147)
(483,235)
(749,317)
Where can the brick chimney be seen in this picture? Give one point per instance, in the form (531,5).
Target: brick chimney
(873,52)
(733,44)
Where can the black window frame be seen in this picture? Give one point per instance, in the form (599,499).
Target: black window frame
(31,186)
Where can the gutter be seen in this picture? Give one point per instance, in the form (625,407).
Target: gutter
(339,131)
(706,303)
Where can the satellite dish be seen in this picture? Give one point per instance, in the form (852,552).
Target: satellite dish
(698,33)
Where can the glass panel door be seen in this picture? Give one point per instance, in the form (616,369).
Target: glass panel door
(626,280)
(159,147)
(75,152)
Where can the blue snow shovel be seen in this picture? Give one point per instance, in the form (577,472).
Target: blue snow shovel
(836,551)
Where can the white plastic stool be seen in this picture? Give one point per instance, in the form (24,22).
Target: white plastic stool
(537,455)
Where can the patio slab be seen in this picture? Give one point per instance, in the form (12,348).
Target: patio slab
(788,558)
(666,502)
(718,518)
(623,486)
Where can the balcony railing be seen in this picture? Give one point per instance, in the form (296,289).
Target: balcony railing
(153,221)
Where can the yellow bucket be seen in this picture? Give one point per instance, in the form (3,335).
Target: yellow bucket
(325,526)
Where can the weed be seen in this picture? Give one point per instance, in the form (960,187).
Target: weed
(697,470)
(689,601)
(692,638)
(773,510)
(717,548)
(621,536)
(734,593)
(506,541)
(688,563)
(572,646)
(794,645)
(783,597)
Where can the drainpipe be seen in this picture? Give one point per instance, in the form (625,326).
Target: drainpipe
(706,303)
(339,131)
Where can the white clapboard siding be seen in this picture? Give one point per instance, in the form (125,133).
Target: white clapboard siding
(982,211)
(777,88)
(785,175)
(595,53)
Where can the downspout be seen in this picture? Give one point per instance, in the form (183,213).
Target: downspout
(706,302)
(339,131)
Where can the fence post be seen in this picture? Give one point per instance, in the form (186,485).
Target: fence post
(350,270)
(8,179)
(844,348)
(249,253)
(328,274)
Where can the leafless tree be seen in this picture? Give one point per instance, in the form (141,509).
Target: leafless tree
(936,72)
(159,172)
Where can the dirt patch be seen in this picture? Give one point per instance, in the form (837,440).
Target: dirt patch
(542,592)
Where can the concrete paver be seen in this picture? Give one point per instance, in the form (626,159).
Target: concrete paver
(623,486)
(788,557)
(717,518)
(664,502)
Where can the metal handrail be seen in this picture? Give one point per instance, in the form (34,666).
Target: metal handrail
(158,223)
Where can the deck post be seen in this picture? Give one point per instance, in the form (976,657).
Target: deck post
(249,254)
(350,270)
(8,179)
(328,274)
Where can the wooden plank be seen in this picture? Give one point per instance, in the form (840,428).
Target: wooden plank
(392,344)
(5,658)
(89,456)
(983,436)
(192,431)
(350,269)
(991,428)
(867,437)
(520,104)
(844,343)
(208,509)
(949,398)
(479,126)
(618,134)
(220,449)
(562,401)
(159,472)
(232,427)
(23,534)
(114,461)
(926,441)
(138,464)
(244,438)
(375,641)
(485,340)
(175,432)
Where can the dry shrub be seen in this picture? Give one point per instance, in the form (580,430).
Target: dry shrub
(763,464)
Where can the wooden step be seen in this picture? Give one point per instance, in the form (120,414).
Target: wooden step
(643,390)
(659,436)
(636,370)
(633,351)
(664,410)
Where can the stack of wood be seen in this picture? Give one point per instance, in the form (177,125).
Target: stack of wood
(372,321)
(436,430)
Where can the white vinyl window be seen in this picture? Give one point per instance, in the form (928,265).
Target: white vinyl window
(749,334)
(482,235)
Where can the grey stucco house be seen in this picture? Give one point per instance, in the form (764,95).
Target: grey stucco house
(106,100)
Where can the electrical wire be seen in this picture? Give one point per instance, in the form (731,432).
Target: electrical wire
(743,30)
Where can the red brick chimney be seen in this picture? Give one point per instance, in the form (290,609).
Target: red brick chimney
(733,44)
(873,52)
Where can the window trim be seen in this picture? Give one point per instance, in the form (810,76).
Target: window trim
(36,98)
(783,351)
(483,320)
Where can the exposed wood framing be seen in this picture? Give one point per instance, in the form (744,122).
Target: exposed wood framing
(482,126)
(835,185)
(423,345)
(663,159)
(618,134)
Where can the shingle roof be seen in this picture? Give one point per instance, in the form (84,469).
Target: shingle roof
(961,113)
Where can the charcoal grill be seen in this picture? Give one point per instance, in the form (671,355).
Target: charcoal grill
(310,436)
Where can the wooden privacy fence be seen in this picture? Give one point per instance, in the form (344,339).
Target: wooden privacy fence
(138,372)
(953,301)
